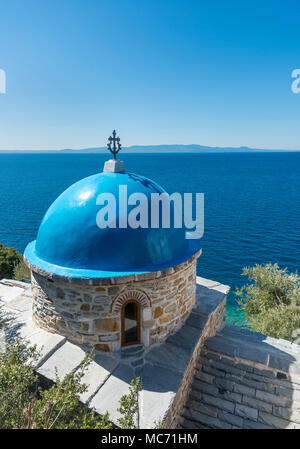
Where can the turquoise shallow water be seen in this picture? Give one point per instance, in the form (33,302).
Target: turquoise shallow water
(252,207)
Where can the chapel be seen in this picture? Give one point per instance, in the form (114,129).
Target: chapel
(113,286)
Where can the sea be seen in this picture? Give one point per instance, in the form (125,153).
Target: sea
(252,203)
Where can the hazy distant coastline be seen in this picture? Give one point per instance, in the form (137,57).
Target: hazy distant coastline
(151,149)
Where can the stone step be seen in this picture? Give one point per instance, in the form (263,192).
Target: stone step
(137,363)
(133,356)
(132,351)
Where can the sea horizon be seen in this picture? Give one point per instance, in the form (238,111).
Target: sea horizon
(251,210)
(156,149)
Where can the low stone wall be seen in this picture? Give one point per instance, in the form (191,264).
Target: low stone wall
(244,380)
(88,312)
(215,321)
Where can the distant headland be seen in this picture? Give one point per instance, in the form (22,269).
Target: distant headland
(176,148)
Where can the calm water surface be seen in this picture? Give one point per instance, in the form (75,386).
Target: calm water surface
(252,206)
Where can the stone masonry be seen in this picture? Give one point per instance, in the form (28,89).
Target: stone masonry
(244,380)
(209,316)
(88,311)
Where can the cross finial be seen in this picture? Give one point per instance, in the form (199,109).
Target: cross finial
(115,141)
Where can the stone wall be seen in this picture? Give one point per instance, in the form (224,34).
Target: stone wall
(88,312)
(244,380)
(213,321)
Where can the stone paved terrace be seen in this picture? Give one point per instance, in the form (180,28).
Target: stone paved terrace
(239,379)
(245,380)
(165,369)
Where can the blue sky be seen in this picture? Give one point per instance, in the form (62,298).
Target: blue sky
(159,71)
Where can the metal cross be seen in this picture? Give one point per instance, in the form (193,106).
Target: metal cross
(113,140)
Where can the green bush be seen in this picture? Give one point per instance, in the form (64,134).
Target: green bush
(271,300)
(129,405)
(9,258)
(25,405)
(21,271)
(12,265)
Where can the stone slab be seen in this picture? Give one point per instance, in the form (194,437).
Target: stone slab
(65,359)
(206,282)
(15,283)
(196,320)
(97,373)
(9,292)
(207,301)
(221,345)
(268,344)
(284,362)
(21,303)
(221,288)
(108,397)
(23,329)
(46,344)
(238,348)
(242,334)
(254,353)
(213,285)
(159,389)
(169,356)
(186,337)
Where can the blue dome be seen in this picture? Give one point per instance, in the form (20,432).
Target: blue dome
(69,242)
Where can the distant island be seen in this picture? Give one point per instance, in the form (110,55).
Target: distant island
(193,148)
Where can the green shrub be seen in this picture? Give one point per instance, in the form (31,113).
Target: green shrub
(129,405)
(271,300)
(21,271)
(25,405)
(9,258)
(12,265)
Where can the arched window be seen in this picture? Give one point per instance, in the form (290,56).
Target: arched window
(131,328)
